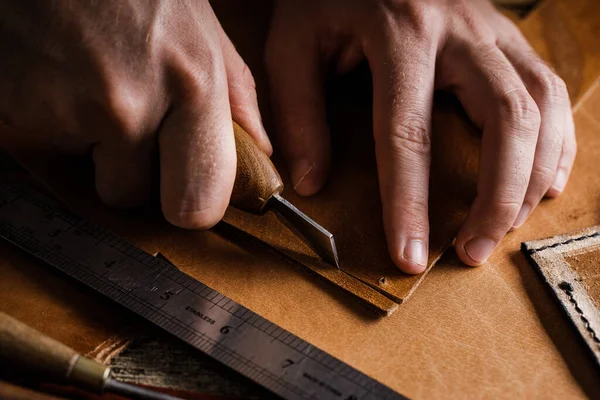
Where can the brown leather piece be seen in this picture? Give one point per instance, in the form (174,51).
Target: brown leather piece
(570,265)
(350,206)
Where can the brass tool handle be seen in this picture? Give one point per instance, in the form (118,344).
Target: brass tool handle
(256,179)
(27,349)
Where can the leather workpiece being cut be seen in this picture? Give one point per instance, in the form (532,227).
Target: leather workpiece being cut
(492,331)
(350,207)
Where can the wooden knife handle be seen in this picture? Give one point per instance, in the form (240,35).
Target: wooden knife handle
(25,349)
(256,179)
(22,346)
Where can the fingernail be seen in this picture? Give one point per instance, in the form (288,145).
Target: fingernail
(479,249)
(416,252)
(523,214)
(560,180)
(300,172)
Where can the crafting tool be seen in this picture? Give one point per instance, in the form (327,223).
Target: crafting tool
(29,351)
(258,188)
(178,303)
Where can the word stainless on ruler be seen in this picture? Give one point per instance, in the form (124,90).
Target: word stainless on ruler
(178,303)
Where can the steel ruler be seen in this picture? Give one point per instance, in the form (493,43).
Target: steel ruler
(158,291)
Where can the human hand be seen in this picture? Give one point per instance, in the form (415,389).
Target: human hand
(127,80)
(414,47)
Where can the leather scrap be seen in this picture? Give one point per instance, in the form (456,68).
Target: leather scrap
(570,265)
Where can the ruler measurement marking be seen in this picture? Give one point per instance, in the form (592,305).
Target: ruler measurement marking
(124,292)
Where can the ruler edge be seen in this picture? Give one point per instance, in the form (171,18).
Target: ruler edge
(32,195)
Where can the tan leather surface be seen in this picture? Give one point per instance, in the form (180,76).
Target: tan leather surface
(44,301)
(489,332)
(587,265)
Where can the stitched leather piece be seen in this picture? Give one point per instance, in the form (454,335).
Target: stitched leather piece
(570,265)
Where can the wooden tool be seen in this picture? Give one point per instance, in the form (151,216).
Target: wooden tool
(25,349)
(258,188)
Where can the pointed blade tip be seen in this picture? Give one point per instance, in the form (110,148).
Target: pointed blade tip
(318,238)
(336,258)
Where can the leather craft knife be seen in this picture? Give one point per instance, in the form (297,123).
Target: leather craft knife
(258,188)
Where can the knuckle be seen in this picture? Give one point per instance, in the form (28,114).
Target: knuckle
(549,85)
(415,216)
(421,19)
(200,74)
(419,13)
(543,174)
(414,206)
(412,134)
(126,110)
(208,79)
(469,21)
(505,210)
(518,107)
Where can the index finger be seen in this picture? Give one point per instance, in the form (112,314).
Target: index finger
(403,84)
